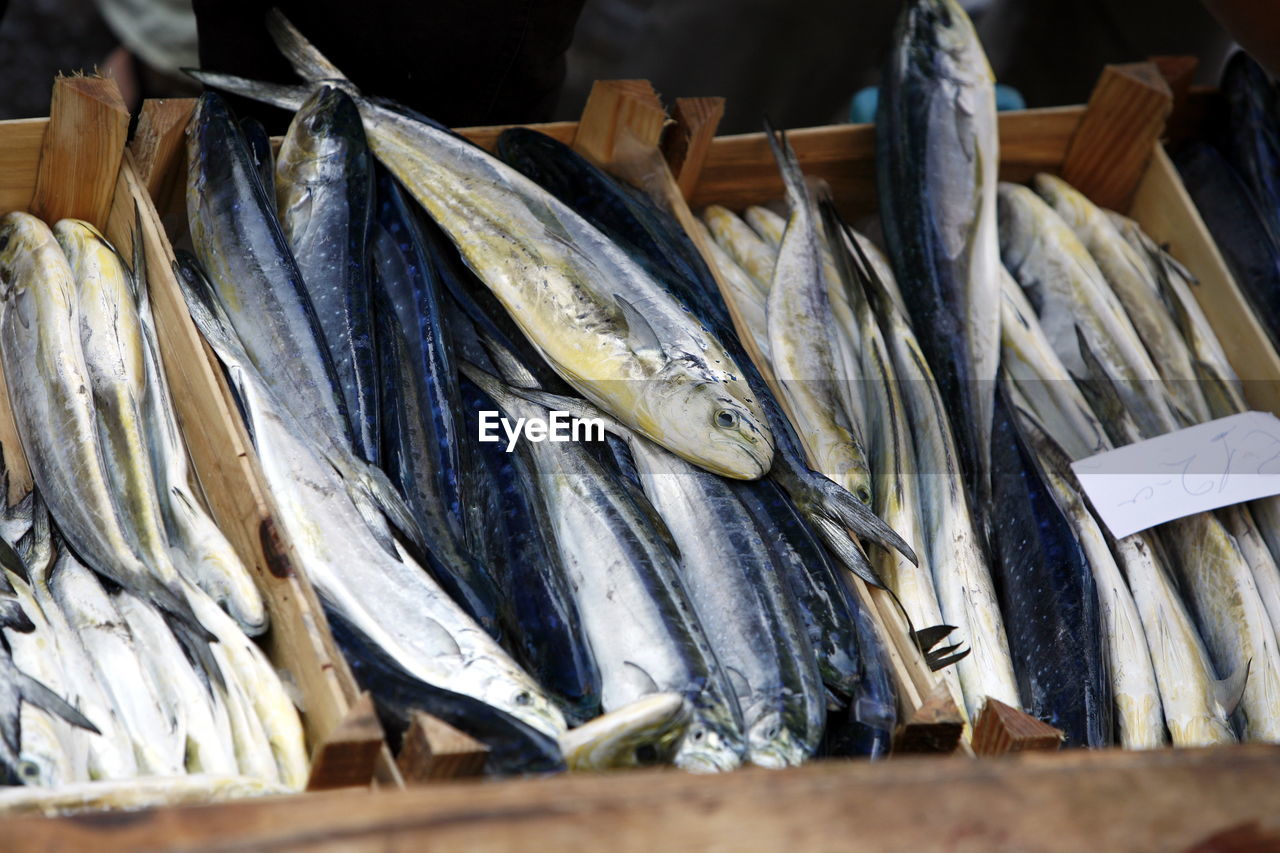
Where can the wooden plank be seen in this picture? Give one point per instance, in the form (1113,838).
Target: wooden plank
(160,154)
(487,137)
(1165,211)
(1108,800)
(350,753)
(1002,729)
(20,143)
(299,639)
(686,143)
(434,751)
(80,156)
(1125,117)
(739,170)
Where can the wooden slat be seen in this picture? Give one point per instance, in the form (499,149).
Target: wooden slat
(434,751)
(80,156)
(160,153)
(1109,800)
(1124,119)
(621,121)
(1165,211)
(20,142)
(739,170)
(487,137)
(686,143)
(221,454)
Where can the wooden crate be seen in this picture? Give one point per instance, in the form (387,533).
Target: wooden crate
(1168,799)
(74,164)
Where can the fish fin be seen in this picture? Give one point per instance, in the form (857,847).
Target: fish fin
(379,504)
(138,259)
(10,560)
(928,638)
(306,60)
(643,339)
(14,618)
(1100,391)
(281,95)
(788,165)
(939,663)
(514,371)
(46,700)
(819,498)
(1230,690)
(198,651)
(846,550)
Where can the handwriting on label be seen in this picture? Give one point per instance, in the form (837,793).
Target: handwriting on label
(1196,469)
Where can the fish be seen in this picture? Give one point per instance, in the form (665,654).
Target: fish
(1139,716)
(49,382)
(392,606)
(948,532)
(324,196)
(1069,293)
(894,469)
(1218,584)
(198,547)
(244,664)
(740,595)
(936,166)
(1048,595)
(17,688)
(1128,274)
(53,752)
(647,727)
(1216,581)
(1238,225)
(602,323)
(803,356)
(750,252)
(242,247)
(264,159)
(132,794)
(871,718)
(1174,281)
(1190,697)
(114,356)
(770,226)
(746,296)
(652,236)
(1240,522)
(420,402)
(157,733)
(638,617)
(179,686)
(1042,380)
(1250,135)
(111,753)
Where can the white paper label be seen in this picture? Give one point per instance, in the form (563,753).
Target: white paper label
(1196,469)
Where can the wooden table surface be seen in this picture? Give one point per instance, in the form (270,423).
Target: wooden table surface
(1224,799)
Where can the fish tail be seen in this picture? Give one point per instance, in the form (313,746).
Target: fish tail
(788,166)
(307,61)
(276,94)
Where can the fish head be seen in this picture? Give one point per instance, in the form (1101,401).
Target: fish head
(770,743)
(318,145)
(707,420)
(943,26)
(30,256)
(1020,213)
(707,748)
(532,706)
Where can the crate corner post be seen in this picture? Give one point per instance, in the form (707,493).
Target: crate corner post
(81,153)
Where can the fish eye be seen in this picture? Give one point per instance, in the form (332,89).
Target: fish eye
(4,239)
(726,418)
(523,698)
(29,771)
